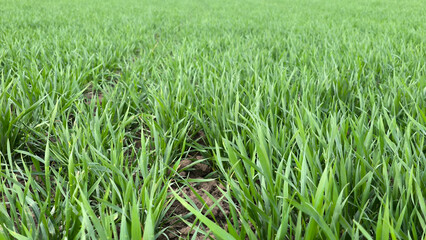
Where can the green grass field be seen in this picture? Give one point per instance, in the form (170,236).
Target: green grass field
(310,116)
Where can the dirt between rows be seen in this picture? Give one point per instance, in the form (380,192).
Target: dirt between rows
(178,229)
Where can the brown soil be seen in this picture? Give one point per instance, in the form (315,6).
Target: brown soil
(94,96)
(201,138)
(177,229)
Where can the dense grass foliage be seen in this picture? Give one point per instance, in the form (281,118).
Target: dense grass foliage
(311,113)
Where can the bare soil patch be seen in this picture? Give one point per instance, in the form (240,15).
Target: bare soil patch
(178,229)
